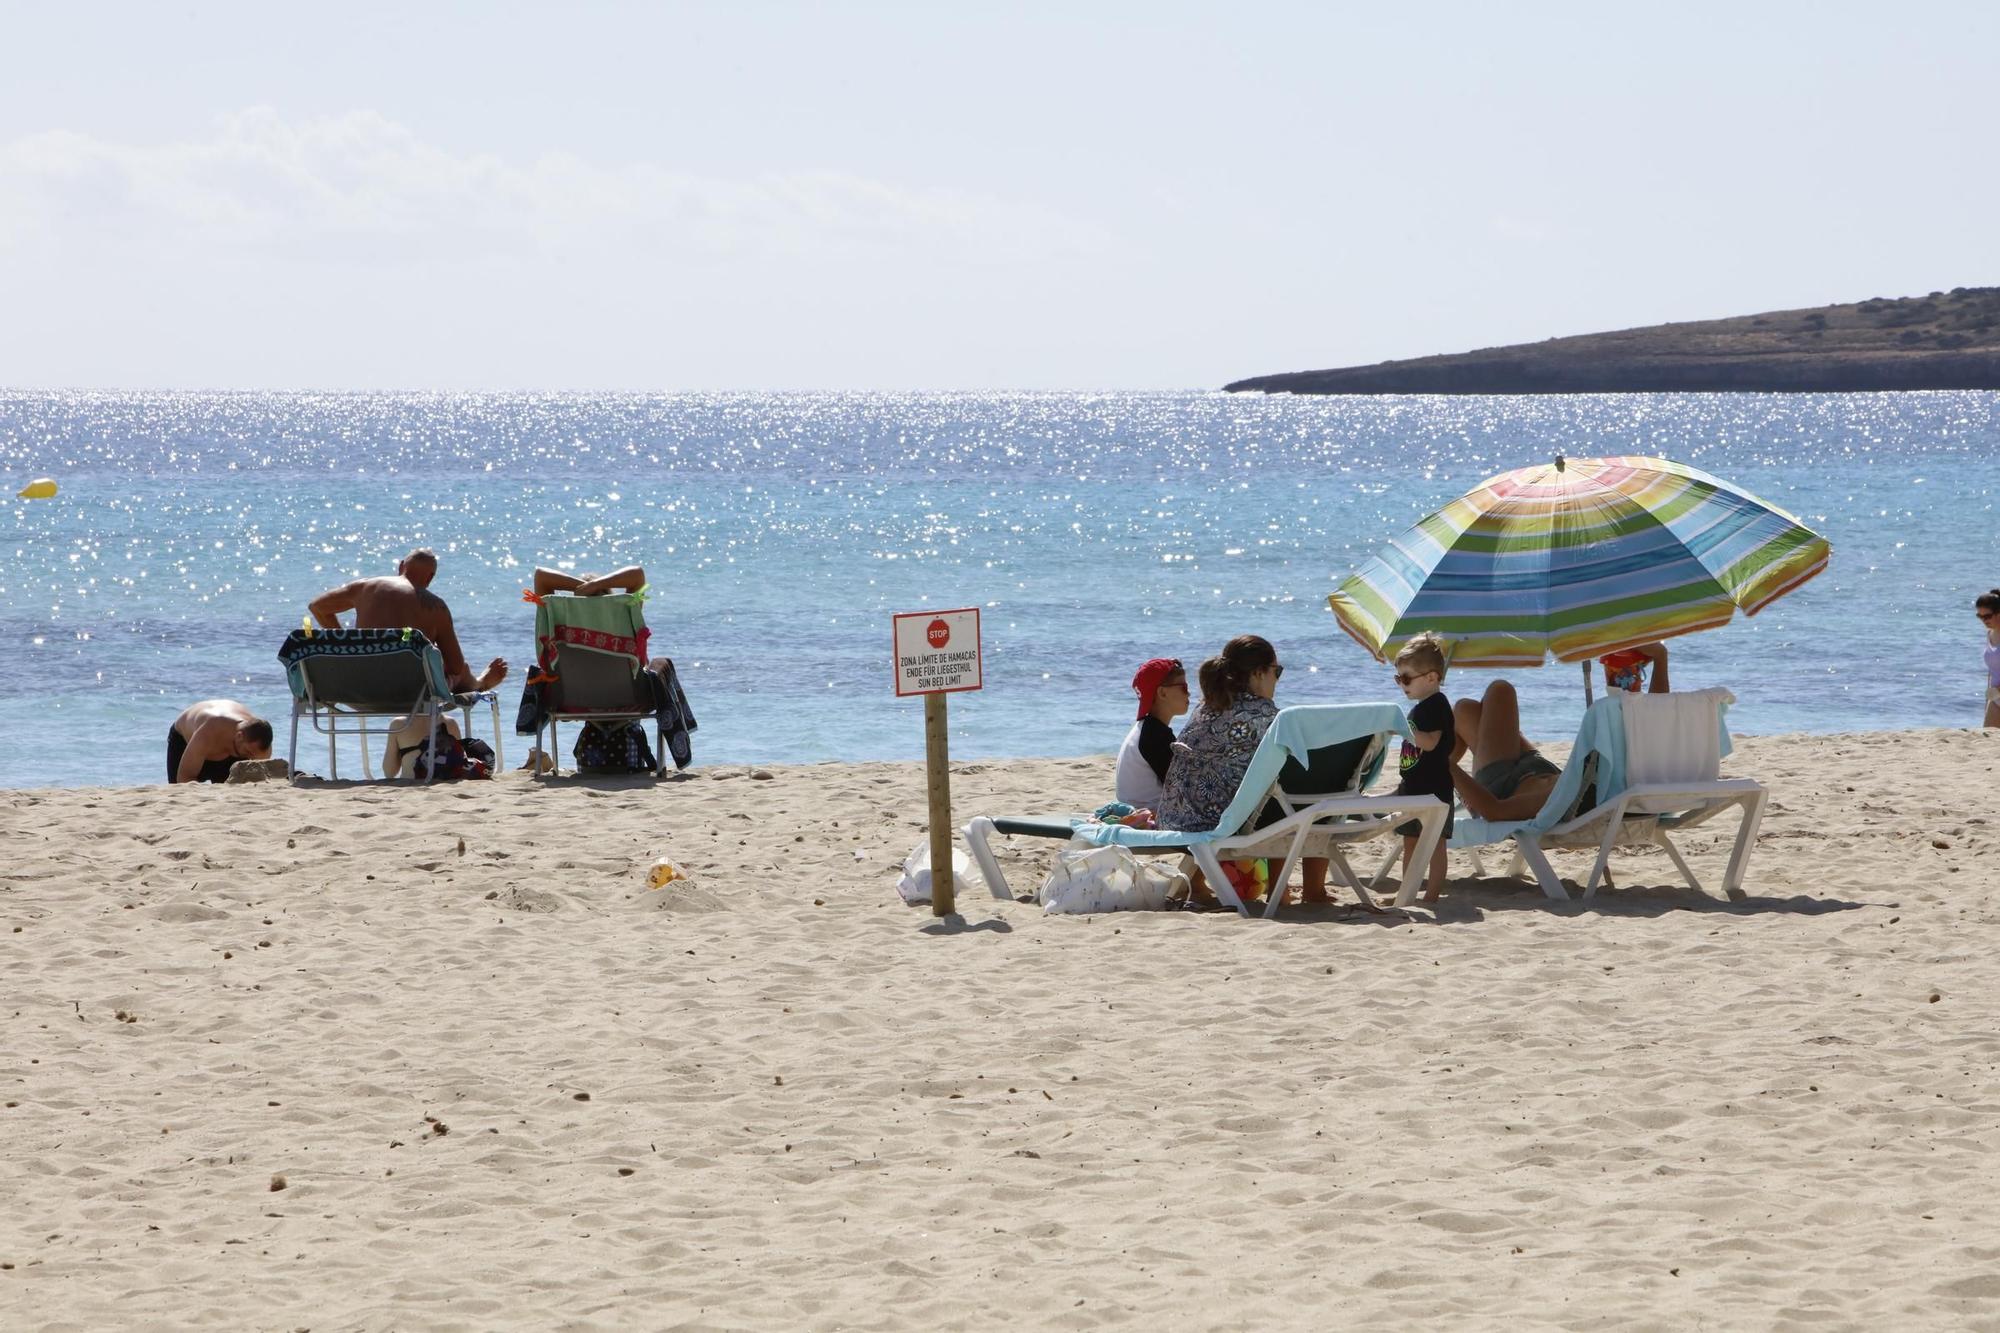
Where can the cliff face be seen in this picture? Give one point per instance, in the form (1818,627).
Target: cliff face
(1947,340)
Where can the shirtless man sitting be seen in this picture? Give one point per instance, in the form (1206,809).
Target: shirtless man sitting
(205,742)
(405,601)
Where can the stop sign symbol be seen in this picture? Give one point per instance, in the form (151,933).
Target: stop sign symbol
(938,633)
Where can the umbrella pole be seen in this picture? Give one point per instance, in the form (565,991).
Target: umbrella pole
(1586,683)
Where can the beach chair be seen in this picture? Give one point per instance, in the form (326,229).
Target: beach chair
(1301,796)
(590,656)
(340,678)
(1644,766)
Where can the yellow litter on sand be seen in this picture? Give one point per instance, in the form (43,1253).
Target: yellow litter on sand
(41,488)
(663,873)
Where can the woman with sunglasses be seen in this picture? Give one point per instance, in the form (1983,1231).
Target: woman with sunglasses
(1214,748)
(1987,608)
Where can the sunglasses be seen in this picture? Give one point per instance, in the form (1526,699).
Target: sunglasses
(1984,615)
(1405,677)
(1277,670)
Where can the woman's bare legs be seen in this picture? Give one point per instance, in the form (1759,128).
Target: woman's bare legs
(1494,727)
(1465,716)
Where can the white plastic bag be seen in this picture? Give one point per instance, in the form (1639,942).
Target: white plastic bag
(1107,879)
(915,885)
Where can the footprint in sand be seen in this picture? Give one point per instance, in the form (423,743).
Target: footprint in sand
(189,912)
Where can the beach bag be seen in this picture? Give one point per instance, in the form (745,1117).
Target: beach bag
(915,883)
(1108,879)
(455,758)
(602,748)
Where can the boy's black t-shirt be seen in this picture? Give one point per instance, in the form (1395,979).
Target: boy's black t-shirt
(1428,772)
(1156,744)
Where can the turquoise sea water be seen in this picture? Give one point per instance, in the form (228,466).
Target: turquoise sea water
(781,531)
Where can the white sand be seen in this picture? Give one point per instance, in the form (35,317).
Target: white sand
(1655,1111)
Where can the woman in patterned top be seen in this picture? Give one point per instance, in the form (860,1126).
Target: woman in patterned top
(1214,748)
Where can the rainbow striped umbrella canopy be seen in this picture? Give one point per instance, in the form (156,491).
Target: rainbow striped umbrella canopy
(1578,558)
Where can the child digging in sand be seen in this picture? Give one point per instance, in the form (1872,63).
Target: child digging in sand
(1426,757)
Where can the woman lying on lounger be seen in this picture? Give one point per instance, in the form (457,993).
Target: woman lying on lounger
(1510,778)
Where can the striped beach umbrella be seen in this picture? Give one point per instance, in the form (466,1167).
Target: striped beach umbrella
(1577,558)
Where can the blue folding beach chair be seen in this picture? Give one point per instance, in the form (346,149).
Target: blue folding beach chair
(340,678)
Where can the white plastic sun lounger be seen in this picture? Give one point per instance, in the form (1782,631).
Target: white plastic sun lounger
(1313,763)
(1651,763)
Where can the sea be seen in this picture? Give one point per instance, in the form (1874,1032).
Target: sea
(780,533)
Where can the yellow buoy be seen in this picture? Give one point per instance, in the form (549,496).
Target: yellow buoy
(41,488)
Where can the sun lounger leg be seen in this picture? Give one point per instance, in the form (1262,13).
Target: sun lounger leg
(1388,864)
(367,760)
(1347,877)
(1281,879)
(976,833)
(1746,838)
(1597,869)
(1478,863)
(1545,874)
(1680,864)
(430,746)
(292,759)
(1218,883)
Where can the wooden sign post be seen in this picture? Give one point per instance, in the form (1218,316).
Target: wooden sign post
(938,653)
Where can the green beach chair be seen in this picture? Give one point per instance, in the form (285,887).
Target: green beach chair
(590,658)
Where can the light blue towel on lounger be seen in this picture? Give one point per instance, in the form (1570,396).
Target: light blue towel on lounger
(1602,733)
(1294,733)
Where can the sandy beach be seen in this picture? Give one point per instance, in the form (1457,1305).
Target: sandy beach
(361,1057)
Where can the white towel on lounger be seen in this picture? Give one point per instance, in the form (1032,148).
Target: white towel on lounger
(1673,737)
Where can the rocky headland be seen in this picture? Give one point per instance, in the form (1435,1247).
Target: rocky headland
(1947,340)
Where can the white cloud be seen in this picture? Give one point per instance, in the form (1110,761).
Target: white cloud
(262,180)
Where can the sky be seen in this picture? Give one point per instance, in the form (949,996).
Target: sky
(964,196)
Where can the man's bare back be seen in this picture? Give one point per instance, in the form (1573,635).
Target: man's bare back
(403,600)
(210,736)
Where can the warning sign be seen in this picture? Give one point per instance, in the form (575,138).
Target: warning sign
(937,652)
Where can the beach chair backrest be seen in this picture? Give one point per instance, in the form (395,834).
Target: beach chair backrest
(367,670)
(588,681)
(1330,770)
(1675,738)
(374,684)
(593,648)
